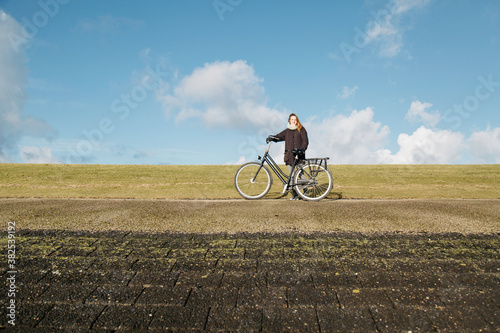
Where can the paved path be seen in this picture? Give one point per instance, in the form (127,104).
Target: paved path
(253,282)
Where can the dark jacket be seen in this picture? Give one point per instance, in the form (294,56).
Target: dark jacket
(293,140)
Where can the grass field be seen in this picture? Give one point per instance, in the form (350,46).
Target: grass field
(216,181)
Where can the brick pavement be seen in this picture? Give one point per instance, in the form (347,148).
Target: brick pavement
(254,282)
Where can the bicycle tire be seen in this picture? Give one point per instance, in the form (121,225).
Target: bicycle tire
(314,182)
(250,188)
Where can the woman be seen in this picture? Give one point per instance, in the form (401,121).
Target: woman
(295,137)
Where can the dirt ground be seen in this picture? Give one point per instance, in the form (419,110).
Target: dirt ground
(412,266)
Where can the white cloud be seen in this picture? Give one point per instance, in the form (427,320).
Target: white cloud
(418,113)
(425,146)
(385,30)
(380,29)
(37,155)
(223,94)
(485,146)
(358,139)
(240,161)
(402,6)
(13,80)
(347,139)
(348,92)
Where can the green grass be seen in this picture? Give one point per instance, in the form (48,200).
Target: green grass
(216,182)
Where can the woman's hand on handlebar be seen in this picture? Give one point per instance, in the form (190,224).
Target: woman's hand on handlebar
(271,138)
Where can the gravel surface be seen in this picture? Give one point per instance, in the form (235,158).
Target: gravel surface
(465,216)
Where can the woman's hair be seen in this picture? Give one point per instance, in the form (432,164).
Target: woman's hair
(299,125)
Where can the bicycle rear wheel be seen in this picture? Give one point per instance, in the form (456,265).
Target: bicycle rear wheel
(253,180)
(314,182)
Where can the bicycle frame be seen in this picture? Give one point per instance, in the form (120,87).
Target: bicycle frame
(285,179)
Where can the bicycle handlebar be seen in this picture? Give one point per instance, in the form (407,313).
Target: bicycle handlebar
(272,138)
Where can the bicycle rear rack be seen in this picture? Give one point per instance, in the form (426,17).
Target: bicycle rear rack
(321,161)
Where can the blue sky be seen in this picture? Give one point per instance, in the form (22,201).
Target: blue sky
(205,82)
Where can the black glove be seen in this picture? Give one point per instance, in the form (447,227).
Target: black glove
(271,138)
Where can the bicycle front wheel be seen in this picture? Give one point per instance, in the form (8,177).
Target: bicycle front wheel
(314,182)
(253,180)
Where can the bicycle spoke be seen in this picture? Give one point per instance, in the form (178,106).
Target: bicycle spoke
(252,180)
(314,182)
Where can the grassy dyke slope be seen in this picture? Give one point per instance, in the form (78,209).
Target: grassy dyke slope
(216,181)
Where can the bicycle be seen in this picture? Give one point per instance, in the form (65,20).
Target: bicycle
(312,180)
